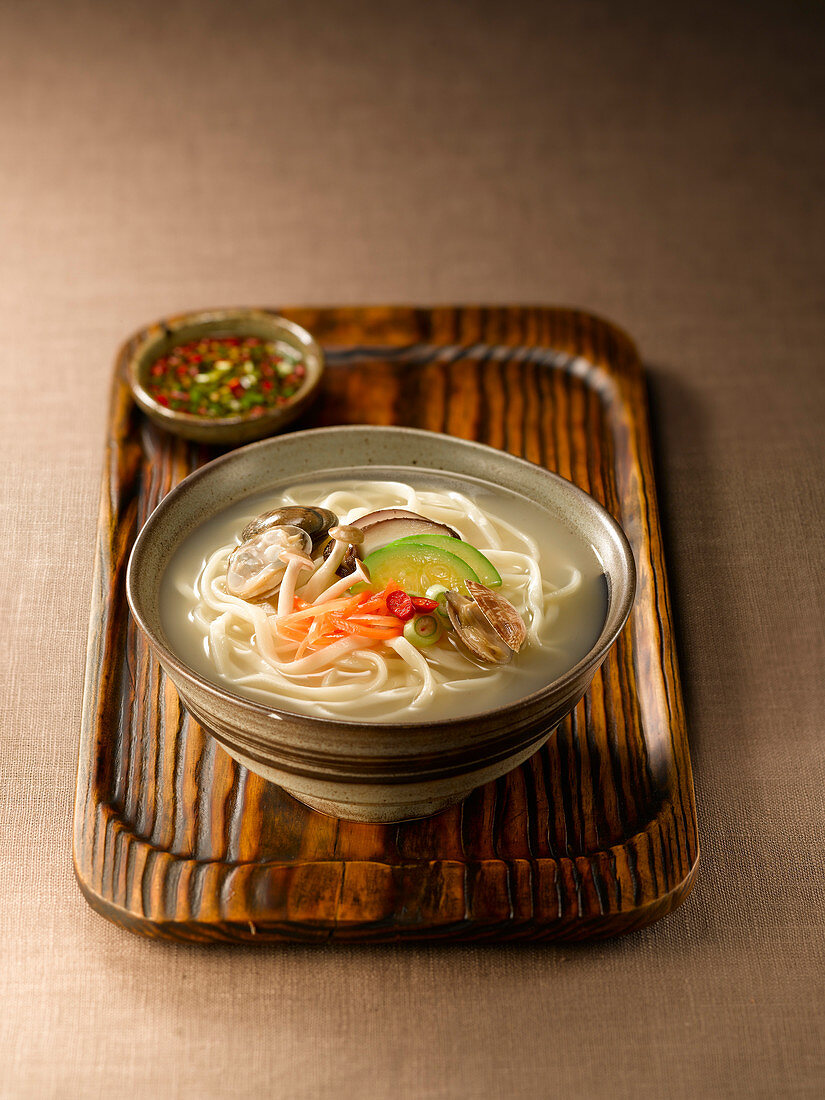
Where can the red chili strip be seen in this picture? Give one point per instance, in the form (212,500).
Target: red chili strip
(421,603)
(400,605)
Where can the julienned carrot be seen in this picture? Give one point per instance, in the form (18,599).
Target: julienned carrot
(380,634)
(294,633)
(377,601)
(367,626)
(316,626)
(316,629)
(376,620)
(320,609)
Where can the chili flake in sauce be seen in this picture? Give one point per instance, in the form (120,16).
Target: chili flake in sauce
(226,376)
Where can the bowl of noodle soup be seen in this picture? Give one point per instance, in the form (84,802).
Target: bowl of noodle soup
(361,722)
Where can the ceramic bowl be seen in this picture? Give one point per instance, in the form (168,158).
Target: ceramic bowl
(371,771)
(227,430)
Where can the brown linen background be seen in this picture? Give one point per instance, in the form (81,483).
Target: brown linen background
(661,165)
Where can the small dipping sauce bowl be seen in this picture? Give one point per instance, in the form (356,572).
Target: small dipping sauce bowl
(241,426)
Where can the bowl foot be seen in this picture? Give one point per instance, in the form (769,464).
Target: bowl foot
(376,813)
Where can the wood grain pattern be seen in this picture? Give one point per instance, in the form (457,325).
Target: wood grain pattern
(593,836)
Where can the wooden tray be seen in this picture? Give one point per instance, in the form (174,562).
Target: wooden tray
(595,835)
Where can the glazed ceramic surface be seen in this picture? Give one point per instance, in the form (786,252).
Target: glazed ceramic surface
(372,771)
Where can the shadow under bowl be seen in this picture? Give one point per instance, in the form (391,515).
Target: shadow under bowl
(367,770)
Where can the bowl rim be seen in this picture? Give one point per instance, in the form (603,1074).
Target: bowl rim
(614,623)
(161,330)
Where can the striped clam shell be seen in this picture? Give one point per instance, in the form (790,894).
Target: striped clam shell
(315,521)
(500,614)
(474,631)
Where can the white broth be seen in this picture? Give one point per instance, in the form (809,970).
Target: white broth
(551,576)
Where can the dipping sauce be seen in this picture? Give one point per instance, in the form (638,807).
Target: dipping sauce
(225,376)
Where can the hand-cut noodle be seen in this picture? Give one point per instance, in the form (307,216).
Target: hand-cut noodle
(361,677)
